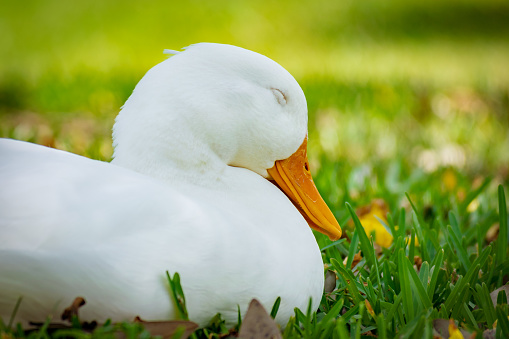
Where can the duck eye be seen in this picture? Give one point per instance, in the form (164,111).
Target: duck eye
(280,96)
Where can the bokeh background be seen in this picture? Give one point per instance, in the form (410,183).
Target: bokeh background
(400,93)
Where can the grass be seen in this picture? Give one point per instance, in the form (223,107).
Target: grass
(408,105)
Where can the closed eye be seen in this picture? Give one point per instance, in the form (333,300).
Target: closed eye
(280,96)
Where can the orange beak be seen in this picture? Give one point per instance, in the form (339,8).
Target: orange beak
(293,177)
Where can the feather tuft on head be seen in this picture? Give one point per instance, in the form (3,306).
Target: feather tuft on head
(170,52)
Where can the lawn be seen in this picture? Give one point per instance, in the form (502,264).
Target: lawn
(408,123)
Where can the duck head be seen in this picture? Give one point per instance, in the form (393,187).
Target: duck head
(212,106)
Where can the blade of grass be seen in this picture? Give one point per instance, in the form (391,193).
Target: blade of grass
(468,278)
(421,291)
(13,314)
(418,224)
(411,249)
(436,269)
(502,233)
(381,326)
(349,279)
(472,195)
(275,308)
(352,250)
(455,243)
(337,242)
(365,244)
(334,312)
(178,295)
(341,331)
(350,313)
(459,287)
(424,274)
(402,223)
(406,291)
(484,302)
(502,321)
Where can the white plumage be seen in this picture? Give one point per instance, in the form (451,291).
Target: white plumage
(186,192)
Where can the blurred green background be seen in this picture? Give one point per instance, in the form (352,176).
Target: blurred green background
(397,91)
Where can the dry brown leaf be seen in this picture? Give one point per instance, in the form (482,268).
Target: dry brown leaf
(489,334)
(73,309)
(356,259)
(330,281)
(441,326)
(492,233)
(258,324)
(494,294)
(369,308)
(418,262)
(166,329)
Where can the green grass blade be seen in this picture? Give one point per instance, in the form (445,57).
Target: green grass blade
(486,304)
(334,312)
(13,314)
(178,295)
(454,224)
(502,321)
(421,291)
(424,274)
(472,195)
(382,327)
(365,244)
(411,249)
(352,250)
(455,243)
(406,291)
(436,269)
(418,224)
(349,279)
(341,330)
(275,308)
(502,233)
(351,312)
(337,242)
(402,223)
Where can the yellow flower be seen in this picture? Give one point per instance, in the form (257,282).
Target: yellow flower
(368,218)
(449,179)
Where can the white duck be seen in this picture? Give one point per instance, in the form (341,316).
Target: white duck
(186,192)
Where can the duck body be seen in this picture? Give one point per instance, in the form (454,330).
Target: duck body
(186,192)
(131,229)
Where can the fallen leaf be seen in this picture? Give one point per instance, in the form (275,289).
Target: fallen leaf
(356,259)
(258,324)
(73,309)
(166,329)
(330,282)
(489,334)
(418,262)
(446,328)
(492,233)
(494,294)
(369,308)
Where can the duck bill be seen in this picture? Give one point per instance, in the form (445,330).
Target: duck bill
(293,177)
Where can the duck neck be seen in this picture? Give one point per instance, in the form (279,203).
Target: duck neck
(182,159)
